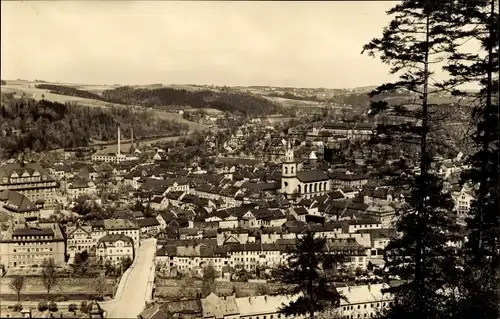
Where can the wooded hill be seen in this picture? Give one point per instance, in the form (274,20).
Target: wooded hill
(44,125)
(159,98)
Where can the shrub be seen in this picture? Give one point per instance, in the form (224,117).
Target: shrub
(84,306)
(52,307)
(42,306)
(72,307)
(17,307)
(61,298)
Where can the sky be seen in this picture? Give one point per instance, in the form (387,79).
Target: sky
(299,44)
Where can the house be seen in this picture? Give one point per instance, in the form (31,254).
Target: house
(182,309)
(355,255)
(115,248)
(385,215)
(356,181)
(224,218)
(158,203)
(379,240)
(299,213)
(149,225)
(18,206)
(79,238)
(81,187)
(353,225)
(129,228)
(463,198)
(364,301)
(215,307)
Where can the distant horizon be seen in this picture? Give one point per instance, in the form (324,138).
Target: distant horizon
(181,84)
(470,89)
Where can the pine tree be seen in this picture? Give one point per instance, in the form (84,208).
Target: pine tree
(480,283)
(303,276)
(415,41)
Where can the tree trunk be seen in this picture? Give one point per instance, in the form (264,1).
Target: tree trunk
(485,146)
(419,265)
(18,296)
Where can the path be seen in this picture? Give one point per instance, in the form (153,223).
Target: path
(135,286)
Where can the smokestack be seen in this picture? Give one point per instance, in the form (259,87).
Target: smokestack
(118,141)
(131,138)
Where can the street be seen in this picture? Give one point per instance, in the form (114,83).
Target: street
(135,286)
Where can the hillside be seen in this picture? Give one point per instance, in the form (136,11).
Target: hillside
(81,94)
(44,125)
(162,98)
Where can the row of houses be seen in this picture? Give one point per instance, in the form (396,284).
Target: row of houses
(359,302)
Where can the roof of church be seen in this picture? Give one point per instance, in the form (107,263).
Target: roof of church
(312,176)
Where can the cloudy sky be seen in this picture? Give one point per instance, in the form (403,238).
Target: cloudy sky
(315,44)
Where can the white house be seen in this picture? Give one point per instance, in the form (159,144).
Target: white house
(115,248)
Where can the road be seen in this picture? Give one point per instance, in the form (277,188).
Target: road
(135,285)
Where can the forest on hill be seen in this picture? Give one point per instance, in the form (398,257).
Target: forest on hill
(159,98)
(68,91)
(44,125)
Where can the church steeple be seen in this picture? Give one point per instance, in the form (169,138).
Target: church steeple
(288,172)
(289,156)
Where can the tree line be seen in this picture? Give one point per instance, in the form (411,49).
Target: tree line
(448,268)
(443,265)
(44,125)
(160,98)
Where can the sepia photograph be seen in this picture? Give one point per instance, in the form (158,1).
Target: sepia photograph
(250,159)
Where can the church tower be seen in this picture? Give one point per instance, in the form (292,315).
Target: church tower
(289,173)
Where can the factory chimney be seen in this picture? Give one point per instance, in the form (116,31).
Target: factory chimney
(118,153)
(132,139)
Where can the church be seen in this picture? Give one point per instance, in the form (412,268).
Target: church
(297,183)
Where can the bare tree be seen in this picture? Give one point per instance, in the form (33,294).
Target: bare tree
(49,275)
(17,284)
(99,287)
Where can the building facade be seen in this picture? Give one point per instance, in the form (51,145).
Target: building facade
(29,179)
(115,248)
(28,246)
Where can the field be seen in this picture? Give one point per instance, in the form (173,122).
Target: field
(177,117)
(293,103)
(29,89)
(73,288)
